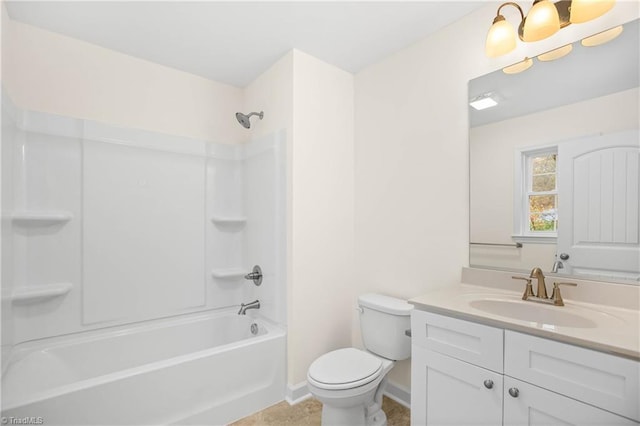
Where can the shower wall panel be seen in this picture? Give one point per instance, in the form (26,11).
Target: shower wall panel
(143,232)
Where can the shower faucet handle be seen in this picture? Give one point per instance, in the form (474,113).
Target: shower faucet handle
(255,275)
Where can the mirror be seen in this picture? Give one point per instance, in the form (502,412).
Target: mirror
(554,165)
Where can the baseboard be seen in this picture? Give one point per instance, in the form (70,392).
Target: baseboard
(297,393)
(399,393)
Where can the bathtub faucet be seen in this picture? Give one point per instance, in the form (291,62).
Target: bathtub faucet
(251,305)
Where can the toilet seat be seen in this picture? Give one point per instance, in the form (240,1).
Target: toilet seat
(344,369)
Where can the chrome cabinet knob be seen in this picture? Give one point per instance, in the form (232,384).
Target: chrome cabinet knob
(514,392)
(488,384)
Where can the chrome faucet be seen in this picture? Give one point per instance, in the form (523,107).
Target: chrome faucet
(244,307)
(557,265)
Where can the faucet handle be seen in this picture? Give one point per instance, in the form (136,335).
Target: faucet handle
(528,290)
(556,296)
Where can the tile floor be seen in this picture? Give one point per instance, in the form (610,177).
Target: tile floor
(307,413)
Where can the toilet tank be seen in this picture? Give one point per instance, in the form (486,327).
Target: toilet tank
(383,322)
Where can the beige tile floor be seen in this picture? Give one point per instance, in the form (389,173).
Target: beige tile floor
(307,413)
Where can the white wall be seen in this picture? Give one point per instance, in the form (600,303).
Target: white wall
(492,149)
(411,155)
(48,72)
(323,280)
(313,102)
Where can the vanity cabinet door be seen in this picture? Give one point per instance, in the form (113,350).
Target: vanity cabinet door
(526,404)
(448,391)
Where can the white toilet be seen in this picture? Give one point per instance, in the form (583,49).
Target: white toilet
(350,382)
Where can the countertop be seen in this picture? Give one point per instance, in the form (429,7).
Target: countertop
(609,329)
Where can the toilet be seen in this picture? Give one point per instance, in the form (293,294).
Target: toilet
(350,382)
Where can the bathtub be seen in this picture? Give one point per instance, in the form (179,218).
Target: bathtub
(205,368)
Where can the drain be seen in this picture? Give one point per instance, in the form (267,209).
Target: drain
(254,328)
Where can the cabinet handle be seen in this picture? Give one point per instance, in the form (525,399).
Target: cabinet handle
(488,384)
(514,392)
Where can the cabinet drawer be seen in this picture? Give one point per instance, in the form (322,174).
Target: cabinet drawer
(600,379)
(467,341)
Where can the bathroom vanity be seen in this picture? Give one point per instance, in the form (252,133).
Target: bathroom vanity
(482,355)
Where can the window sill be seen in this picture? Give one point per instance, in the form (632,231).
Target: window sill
(535,239)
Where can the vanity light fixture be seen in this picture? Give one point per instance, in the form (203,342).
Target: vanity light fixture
(483,101)
(544,20)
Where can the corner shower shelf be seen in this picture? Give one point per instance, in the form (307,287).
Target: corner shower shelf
(40,218)
(229,220)
(41,293)
(228,273)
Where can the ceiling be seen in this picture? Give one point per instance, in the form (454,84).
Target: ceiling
(233,42)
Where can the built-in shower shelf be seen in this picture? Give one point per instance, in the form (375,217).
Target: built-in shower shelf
(41,293)
(228,273)
(40,218)
(229,220)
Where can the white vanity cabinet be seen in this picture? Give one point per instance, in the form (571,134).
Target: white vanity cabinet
(468,373)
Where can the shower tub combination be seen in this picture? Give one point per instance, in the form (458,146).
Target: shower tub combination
(204,368)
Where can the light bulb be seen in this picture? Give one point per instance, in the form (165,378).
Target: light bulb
(586,10)
(542,21)
(501,38)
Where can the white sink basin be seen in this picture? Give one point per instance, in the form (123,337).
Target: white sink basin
(546,315)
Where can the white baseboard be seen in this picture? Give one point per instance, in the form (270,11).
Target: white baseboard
(299,392)
(399,393)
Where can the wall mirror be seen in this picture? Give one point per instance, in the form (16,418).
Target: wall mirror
(554,165)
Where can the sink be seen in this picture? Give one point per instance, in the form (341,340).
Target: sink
(538,313)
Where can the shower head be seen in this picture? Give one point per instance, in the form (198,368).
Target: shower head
(244,118)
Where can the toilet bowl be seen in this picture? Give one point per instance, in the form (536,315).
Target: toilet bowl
(350,382)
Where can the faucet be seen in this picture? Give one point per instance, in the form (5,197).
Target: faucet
(542,287)
(557,265)
(246,306)
(541,296)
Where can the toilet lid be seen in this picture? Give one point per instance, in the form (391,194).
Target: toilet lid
(345,368)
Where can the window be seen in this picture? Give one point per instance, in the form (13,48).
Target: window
(536,198)
(542,193)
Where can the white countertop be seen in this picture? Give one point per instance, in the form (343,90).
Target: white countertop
(609,329)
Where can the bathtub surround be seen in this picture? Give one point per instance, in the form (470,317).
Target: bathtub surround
(112,245)
(113,226)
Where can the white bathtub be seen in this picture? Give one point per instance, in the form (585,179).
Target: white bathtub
(205,368)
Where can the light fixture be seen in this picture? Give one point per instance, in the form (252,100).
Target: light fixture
(518,67)
(603,37)
(501,38)
(483,101)
(543,20)
(556,53)
(586,10)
